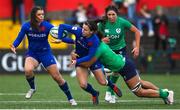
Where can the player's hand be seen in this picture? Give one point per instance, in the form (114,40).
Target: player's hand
(73,63)
(135,52)
(106,40)
(74,55)
(13,49)
(55,41)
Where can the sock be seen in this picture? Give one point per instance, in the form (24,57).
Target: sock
(110,84)
(66,90)
(90,90)
(113,79)
(163,94)
(31,82)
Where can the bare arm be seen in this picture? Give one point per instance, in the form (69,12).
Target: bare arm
(135,51)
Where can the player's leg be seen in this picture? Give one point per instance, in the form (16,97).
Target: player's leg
(30,64)
(49,63)
(82,77)
(100,77)
(148,85)
(54,72)
(110,95)
(134,83)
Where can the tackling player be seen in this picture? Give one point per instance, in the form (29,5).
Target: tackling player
(126,68)
(86,44)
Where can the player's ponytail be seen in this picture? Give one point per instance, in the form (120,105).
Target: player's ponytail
(100,35)
(33,20)
(93,27)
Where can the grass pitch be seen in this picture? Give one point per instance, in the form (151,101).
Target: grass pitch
(49,96)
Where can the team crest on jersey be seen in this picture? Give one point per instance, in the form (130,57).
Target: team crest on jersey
(106,30)
(90,44)
(118,30)
(43,28)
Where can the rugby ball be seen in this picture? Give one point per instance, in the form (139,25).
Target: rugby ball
(54,32)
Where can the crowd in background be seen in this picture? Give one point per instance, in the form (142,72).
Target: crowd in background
(156,23)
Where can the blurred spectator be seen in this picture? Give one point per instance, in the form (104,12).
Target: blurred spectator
(118,3)
(141,61)
(160,22)
(170,51)
(18,6)
(41,3)
(144,17)
(131,8)
(80,14)
(91,12)
(178,23)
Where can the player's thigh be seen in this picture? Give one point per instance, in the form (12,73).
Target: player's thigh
(99,75)
(54,72)
(82,75)
(133,82)
(30,64)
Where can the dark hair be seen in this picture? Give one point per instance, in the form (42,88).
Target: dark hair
(93,27)
(103,19)
(111,7)
(33,20)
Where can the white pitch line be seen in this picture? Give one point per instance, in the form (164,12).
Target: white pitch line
(81,101)
(12,93)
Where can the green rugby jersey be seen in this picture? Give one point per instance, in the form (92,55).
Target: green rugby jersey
(108,58)
(115,32)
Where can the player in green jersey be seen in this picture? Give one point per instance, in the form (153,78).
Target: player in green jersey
(126,68)
(113,28)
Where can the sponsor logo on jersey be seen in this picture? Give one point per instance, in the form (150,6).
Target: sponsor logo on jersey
(113,36)
(37,35)
(74,28)
(81,44)
(81,38)
(106,30)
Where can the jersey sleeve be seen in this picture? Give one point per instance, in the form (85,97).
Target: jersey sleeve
(98,52)
(72,29)
(100,28)
(93,45)
(20,36)
(49,25)
(68,40)
(126,23)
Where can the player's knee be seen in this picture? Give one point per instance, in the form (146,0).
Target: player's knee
(102,82)
(137,90)
(83,85)
(139,93)
(28,71)
(56,77)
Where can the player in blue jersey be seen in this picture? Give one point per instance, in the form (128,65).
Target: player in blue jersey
(86,44)
(39,51)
